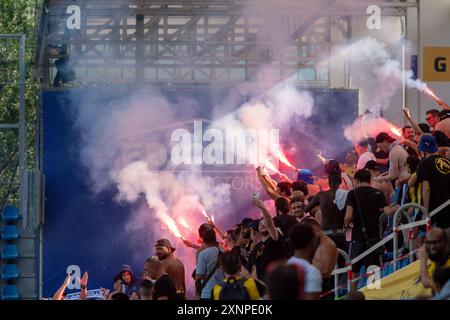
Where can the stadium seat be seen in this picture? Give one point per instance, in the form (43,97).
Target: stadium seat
(405,262)
(9,251)
(10,213)
(9,272)
(363,277)
(10,292)
(10,232)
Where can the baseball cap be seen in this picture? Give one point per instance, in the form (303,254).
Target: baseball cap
(428,143)
(164,243)
(383,136)
(371,165)
(246,222)
(255,225)
(305,175)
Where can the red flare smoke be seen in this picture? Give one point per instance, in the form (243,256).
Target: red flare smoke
(269,165)
(282,157)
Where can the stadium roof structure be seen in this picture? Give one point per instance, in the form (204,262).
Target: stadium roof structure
(195,42)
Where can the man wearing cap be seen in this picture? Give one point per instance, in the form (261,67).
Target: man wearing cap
(397,158)
(434,173)
(172,265)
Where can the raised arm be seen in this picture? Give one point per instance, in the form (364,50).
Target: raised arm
(58,294)
(267,219)
(83,284)
(414,124)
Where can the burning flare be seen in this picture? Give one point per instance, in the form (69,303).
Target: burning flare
(171,225)
(396,131)
(184,223)
(269,165)
(282,157)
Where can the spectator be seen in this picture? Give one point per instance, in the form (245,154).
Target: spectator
(172,265)
(362,149)
(126,280)
(146,290)
(397,158)
(305,243)
(355,295)
(286,282)
(443,143)
(441,283)
(333,167)
(283,219)
(432,117)
(299,189)
(332,221)
(273,247)
(208,273)
(235,286)
(326,255)
(119,296)
(444,123)
(164,288)
(434,253)
(434,174)
(385,187)
(364,207)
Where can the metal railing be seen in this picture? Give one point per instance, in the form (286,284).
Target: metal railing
(393,236)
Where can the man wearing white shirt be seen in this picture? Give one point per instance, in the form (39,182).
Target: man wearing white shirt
(305,243)
(362,149)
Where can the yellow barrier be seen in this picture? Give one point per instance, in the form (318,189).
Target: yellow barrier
(400,285)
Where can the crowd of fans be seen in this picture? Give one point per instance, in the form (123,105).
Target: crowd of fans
(292,255)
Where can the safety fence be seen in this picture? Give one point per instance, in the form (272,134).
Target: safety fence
(394,264)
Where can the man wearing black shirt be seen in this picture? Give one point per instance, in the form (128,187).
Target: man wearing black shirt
(164,288)
(273,247)
(434,173)
(367,203)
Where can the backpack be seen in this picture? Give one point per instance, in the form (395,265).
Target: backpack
(234,290)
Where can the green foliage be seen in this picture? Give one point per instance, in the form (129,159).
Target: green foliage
(16,17)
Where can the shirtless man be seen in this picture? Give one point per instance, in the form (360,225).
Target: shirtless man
(397,158)
(326,255)
(385,187)
(172,265)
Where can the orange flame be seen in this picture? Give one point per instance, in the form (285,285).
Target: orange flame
(281,156)
(269,165)
(396,131)
(184,223)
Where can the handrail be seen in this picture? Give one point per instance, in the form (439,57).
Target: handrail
(402,210)
(410,225)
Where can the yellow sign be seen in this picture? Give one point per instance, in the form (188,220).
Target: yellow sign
(400,285)
(436,63)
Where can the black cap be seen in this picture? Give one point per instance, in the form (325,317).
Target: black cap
(332,167)
(246,222)
(371,165)
(255,225)
(164,243)
(383,136)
